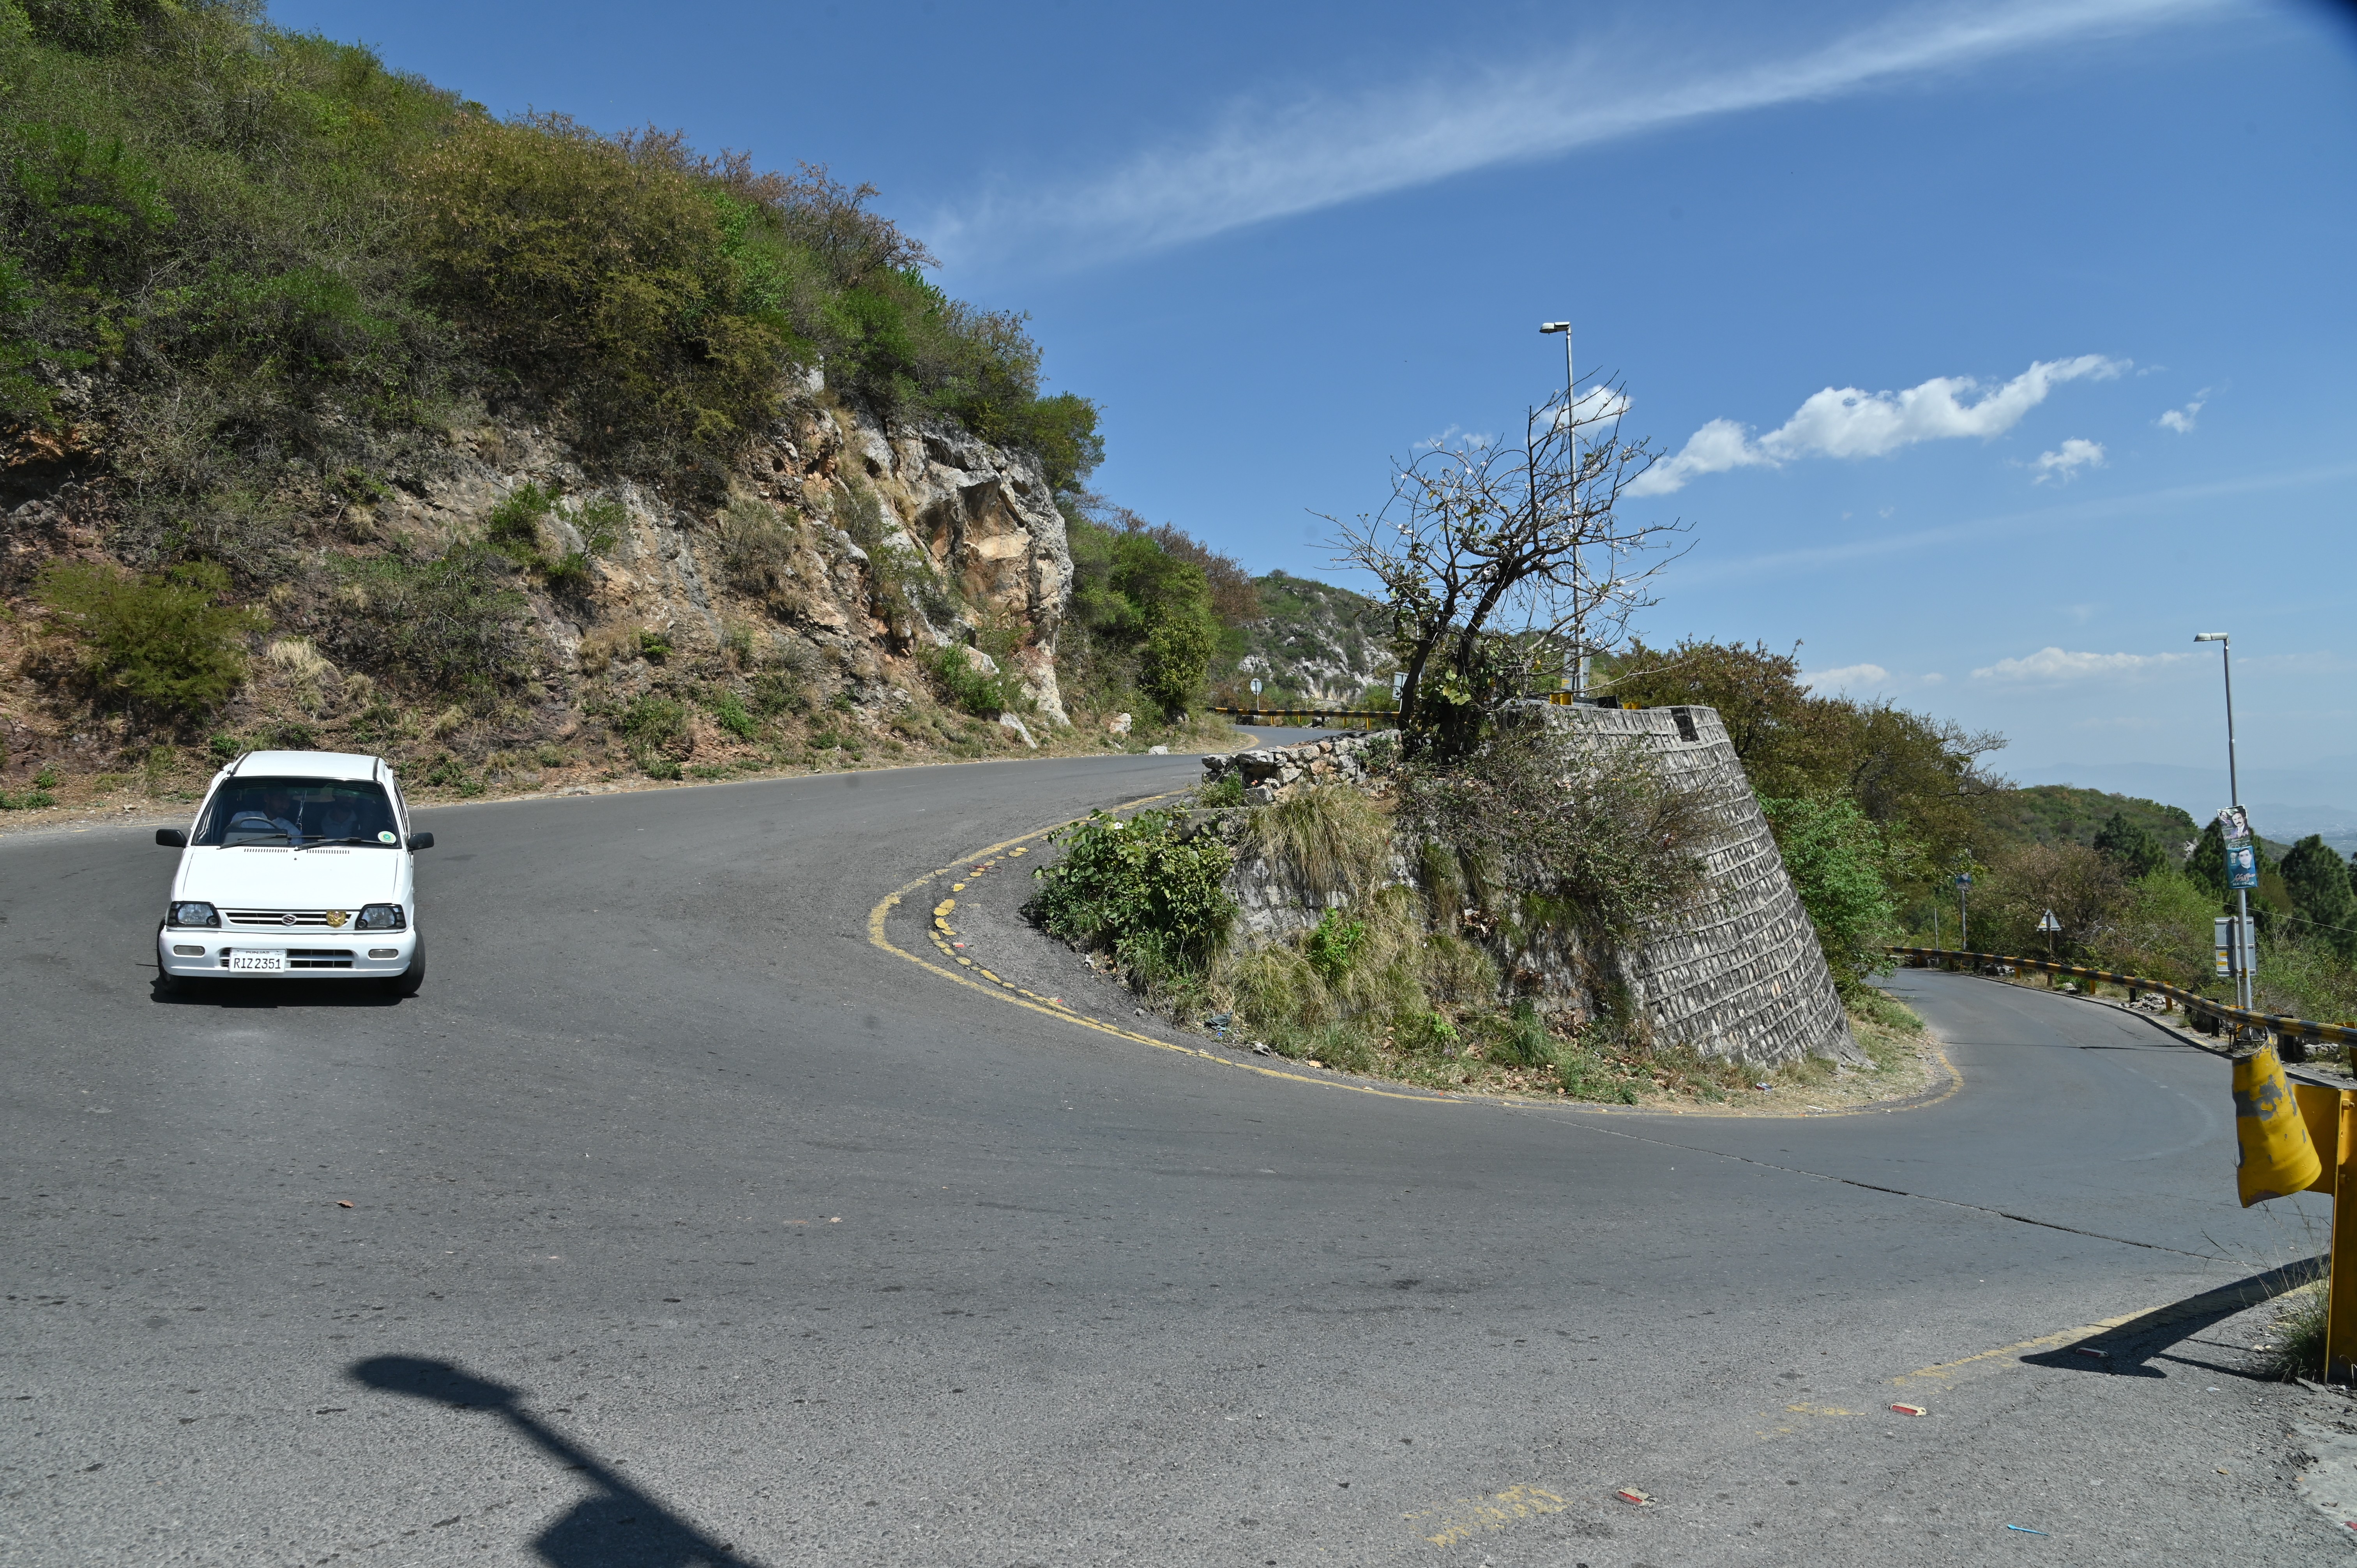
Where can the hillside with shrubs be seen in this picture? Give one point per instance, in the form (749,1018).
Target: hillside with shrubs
(341,413)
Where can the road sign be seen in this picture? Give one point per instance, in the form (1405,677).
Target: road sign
(2221,944)
(1255,685)
(1964,879)
(2050,923)
(2242,863)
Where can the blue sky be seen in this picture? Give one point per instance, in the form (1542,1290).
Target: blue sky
(2075,274)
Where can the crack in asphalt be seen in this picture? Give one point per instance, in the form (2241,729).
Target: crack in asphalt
(1918,1196)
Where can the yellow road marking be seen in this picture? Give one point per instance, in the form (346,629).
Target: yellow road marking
(1462,1519)
(1013,996)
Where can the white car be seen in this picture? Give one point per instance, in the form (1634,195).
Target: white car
(298,867)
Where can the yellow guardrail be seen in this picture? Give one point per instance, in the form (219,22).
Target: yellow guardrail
(1313,718)
(2307,1031)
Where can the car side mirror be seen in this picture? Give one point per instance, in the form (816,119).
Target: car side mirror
(172,838)
(421,841)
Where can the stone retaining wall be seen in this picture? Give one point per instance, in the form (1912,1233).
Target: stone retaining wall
(1745,978)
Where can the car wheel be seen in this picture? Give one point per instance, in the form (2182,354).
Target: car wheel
(406,982)
(168,983)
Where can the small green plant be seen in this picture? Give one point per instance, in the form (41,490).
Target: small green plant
(552,756)
(777,691)
(513,526)
(569,572)
(162,646)
(965,687)
(448,772)
(651,725)
(47,779)
(654,646)
(1523,1041)
(841,702)
(1227,791)
(601,522)
(1154,899)
(664,767)
(737,642)
(1331,947)
(224,746)
(290,735)
(730,711)
(2298,1334)
(31,801)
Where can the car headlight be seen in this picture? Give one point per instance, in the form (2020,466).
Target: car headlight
(195,914)
(382,918)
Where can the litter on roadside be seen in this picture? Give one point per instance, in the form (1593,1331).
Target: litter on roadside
(1910,1410)
(2025,1529)
(343,1203)
(1631,1494)
(2089,1350)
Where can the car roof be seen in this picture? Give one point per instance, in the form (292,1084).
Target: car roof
(306,765)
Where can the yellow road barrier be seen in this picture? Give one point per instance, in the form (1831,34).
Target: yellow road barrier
(2273,1154)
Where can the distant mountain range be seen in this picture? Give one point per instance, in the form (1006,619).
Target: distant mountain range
(2285,803)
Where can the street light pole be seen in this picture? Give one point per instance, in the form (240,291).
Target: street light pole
(1571,434)
(2233,798)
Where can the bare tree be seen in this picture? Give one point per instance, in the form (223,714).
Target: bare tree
(1504,561)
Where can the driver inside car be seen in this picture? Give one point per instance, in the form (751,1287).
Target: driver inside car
(277,814)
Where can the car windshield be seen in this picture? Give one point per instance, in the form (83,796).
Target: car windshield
(299,814)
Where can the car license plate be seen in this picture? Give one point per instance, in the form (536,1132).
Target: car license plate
(258,962)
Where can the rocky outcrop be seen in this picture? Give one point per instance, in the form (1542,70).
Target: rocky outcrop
(1271,774)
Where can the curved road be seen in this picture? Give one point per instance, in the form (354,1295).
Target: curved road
(688,1226)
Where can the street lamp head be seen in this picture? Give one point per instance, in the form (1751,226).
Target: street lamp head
(1555,325)
(2209,636)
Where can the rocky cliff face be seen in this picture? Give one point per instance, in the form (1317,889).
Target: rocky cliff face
(843,555)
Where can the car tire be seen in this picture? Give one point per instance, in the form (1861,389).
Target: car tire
(406,982)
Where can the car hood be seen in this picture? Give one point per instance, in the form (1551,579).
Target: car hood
(290,879)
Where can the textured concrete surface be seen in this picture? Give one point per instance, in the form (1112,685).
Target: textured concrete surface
(689,1225)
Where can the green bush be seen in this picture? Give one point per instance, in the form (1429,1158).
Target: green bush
(964,686)
(653,724)
(654,646)
(452,622)
(1222,792)
(777,691)
(1591,831)
(1333,944)
(1138,889)
(730,711)
(1842,865)
(513,526)
(162,646)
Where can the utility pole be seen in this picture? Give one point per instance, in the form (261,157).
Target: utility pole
(1571,434)
(2243,957)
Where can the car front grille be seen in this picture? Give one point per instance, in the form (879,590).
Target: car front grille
(319,958)
(283,918)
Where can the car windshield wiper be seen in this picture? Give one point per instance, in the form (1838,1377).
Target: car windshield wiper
(372,844)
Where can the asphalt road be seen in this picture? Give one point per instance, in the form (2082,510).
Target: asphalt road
(688,1226)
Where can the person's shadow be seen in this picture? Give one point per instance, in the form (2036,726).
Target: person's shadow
(620,1526)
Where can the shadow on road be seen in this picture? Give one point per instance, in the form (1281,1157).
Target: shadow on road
(620,1526)
(243,995)
(2127,1349)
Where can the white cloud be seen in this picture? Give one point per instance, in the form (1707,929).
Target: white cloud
(1263,160)
(1847,676)
(2064,464)
(2056,664)
(1844,422)
(2181,419)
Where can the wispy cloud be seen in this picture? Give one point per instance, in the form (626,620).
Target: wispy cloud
(1844,422)
(2051,664)
(2181,419)
(1862,676)
(1260,161)
(2064,463)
